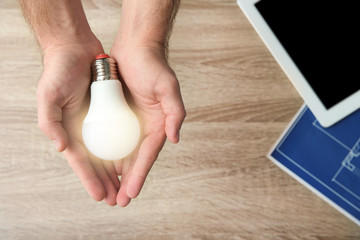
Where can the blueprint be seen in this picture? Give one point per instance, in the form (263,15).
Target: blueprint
(326,160)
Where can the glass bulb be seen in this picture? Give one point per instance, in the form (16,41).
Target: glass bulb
(111,130)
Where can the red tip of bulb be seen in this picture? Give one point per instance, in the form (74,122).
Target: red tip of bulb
(102,56)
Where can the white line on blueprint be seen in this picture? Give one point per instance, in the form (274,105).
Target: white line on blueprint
(331,136)
(322,183)
(347,189)
(306,171)
(353,153)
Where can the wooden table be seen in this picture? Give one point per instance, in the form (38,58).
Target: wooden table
(215,184)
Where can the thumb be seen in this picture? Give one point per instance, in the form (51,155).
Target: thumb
(174,110)
(49,120)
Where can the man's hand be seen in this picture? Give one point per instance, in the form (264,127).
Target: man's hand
(63,100)
(151,85)
(69,48)
(153,91)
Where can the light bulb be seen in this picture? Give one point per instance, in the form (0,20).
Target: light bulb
(111,130)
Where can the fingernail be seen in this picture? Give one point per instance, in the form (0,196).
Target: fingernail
(123,202)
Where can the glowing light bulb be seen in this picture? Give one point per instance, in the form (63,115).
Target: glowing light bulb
(110,130)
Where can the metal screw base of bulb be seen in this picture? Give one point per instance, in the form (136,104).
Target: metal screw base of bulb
(104,69)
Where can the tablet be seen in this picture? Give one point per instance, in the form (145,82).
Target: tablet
(317,45)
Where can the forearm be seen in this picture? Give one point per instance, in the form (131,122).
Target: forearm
(57,22)
(147,22)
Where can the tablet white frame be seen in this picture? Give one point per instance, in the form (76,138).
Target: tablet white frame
(326,117)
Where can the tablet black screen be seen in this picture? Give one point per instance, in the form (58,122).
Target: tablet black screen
(320,38)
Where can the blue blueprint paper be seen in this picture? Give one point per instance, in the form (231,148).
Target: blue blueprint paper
(326,160)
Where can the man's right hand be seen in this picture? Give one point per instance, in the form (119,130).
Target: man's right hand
(63,100)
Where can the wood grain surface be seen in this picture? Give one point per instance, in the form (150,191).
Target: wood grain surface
(215,184)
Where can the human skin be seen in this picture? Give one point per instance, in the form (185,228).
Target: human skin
(69,47)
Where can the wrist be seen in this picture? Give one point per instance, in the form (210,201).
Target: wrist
(147,23)
(125,51)
(71,32)
(79,42)
(129,43)
(57,22)
(74,52)
(128,36)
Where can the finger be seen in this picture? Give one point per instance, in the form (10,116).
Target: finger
(110,189)
(49,120)
(79,162)
(174,110)
(148,152)
(124,165)
(111,172)
(122,199)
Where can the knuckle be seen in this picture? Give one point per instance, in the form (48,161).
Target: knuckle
(50,94)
